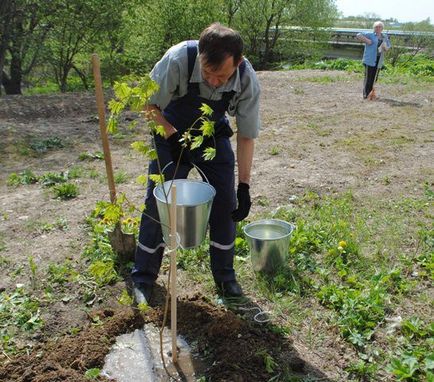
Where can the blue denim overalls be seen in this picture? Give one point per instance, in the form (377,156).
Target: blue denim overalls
(181,113)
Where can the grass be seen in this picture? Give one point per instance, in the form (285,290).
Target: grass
(43,227)
(320,131)
(359,260)
(65,191)
(88,156)
(18,311)
(121,177)
(47,179)
(22,309)
(45,144)
(352,264)
(325,79)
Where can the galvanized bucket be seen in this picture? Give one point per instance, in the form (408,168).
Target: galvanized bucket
(193,208)
(269,243)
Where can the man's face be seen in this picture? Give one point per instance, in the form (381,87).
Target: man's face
(218,77)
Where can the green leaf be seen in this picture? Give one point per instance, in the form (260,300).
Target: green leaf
(209,153)
(115,106)
(92,373)
(157,178)
(140,147)
(143,308)
(207,128)
(125,298)
(112,213)
(206,110)
(122,90)
(152,154)
(159,130)
(132,125)
(103,272)
(197,142)
(142,180)
(429,361)
(112,125)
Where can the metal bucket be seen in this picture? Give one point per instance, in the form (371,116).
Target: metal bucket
(269,243)
(193,207)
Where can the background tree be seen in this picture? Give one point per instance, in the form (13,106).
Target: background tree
(157,26)
(23,28)
(420,40)
(271,28)
(79,26)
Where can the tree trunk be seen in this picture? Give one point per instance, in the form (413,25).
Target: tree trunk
(12,84)
(82,77)
(64,80)
(4,35)
(9,85)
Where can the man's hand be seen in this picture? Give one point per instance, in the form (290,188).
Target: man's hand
(244,203)
(178,152)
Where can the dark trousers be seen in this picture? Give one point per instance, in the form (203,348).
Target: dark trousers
(220,174)
(371,76)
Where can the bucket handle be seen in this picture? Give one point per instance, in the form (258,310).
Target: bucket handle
(195,166)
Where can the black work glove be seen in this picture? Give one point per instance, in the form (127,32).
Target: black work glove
(177,151)
(244,203)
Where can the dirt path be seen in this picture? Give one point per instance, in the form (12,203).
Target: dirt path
(317,134)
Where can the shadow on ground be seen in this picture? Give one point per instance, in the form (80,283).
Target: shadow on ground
(395,103)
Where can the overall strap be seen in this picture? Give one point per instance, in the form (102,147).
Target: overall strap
(242,68)
(191,54)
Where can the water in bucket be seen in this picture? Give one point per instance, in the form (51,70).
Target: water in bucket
(193,207)
(268,241)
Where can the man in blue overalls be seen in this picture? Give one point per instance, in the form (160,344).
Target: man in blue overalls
(212,71)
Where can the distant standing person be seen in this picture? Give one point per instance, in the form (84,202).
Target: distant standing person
(376,43)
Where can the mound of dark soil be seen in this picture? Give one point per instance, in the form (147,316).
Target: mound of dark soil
(234,349)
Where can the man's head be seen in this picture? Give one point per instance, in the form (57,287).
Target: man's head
(220,53)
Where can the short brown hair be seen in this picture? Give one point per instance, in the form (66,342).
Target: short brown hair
(218,42)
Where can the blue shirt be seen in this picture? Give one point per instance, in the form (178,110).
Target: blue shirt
(171,74)
(370,52)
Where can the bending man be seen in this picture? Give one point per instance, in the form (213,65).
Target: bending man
(212,71)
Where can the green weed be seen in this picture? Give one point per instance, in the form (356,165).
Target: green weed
(103,272)
(97,155)
(275,150)
(269,362)
(4,261)
(24,177)
(93,173)
(33,269)
(61,273)
(75,172)
(65,191)
(18,311)
(92,373)
(50,179)
(321,79)
(43,145)
(319,130)
(121,177)
(125,298)
(2,246)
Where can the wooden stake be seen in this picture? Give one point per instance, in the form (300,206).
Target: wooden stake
(102,127)
(173,245)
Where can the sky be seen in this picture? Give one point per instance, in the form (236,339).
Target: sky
(403,10)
